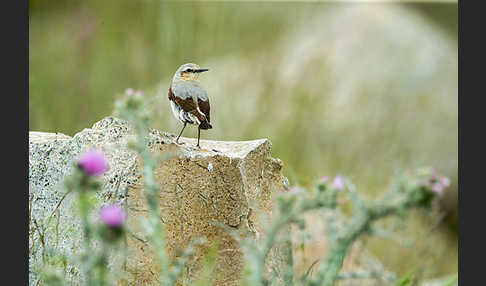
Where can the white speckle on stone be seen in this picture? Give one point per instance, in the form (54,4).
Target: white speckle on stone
(210,167)
(286,183)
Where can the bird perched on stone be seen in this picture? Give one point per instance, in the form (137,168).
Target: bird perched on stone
(188,99)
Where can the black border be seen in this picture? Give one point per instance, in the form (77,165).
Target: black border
(470,193)
(14,21)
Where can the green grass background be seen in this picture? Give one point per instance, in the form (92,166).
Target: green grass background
(84,54)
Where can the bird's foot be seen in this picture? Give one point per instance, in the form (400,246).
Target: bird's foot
(180,143)
(198,146)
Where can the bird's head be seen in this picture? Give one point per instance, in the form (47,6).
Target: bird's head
(188,71)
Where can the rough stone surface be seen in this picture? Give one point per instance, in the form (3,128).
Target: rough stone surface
(224,182)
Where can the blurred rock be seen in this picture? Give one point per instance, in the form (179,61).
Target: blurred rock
(224,182)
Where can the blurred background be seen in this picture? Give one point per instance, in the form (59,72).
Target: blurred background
(364,90)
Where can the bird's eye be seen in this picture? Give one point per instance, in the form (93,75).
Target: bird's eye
(189,70)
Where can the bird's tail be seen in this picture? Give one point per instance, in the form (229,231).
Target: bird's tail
(205,125)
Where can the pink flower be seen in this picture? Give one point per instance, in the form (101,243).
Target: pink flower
(93,163)
(444,181)
(338,183)
(129,91)
(112,215)
(437,188)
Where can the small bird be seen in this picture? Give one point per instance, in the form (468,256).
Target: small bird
(188,99)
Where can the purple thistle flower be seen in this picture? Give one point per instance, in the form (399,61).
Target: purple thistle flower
(93,163)
(129,91)
(444,181)
(437,188)
(440,186)
(112,215)
(338,183)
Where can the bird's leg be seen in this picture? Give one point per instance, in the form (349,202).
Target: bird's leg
(177,140)
(198,136)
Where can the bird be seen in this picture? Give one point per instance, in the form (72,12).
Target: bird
(188,99)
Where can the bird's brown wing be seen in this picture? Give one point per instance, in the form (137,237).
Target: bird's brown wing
(188,105)
(204,107)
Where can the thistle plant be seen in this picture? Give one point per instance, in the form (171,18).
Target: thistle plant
(131,109)
(84,183)
(53,267)
(417,190)
(113,218)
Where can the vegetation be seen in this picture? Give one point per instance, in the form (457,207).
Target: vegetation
(419,189)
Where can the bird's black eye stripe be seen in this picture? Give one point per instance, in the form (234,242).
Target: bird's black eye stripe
(189,70)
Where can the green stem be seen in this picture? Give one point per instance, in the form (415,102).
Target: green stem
(84,206)
(102,264)
(357,224)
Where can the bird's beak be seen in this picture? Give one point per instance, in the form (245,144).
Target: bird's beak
(201,70)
